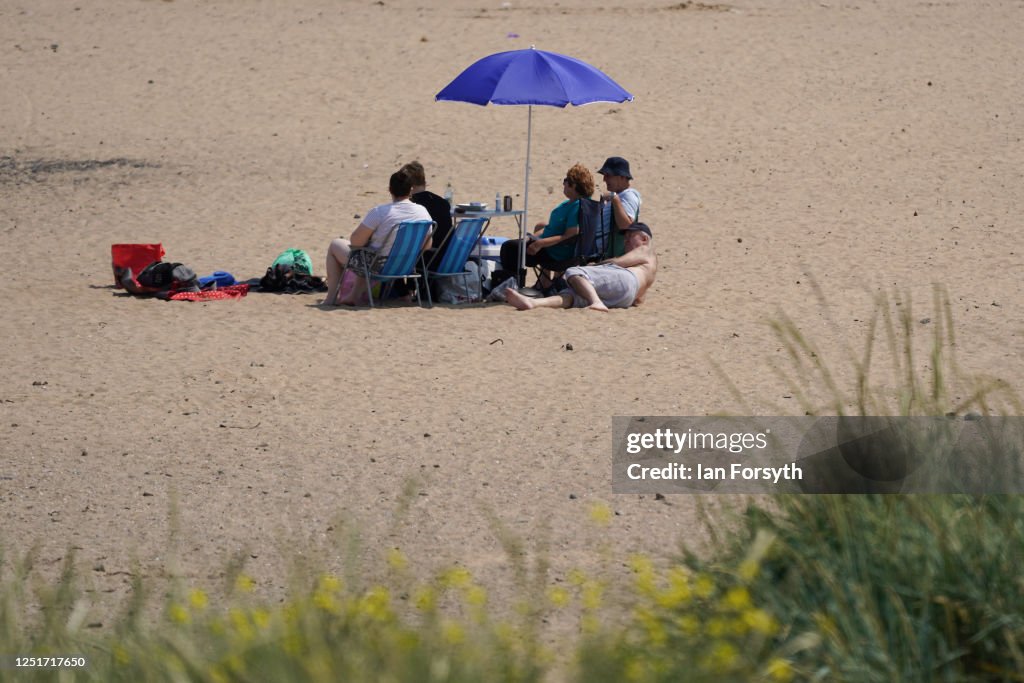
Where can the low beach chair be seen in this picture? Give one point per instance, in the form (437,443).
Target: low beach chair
(596,239)
(461,240)
(594,242)
(398,264)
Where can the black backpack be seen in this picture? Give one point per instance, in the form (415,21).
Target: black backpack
(159,279)
(160,276)
(281,278)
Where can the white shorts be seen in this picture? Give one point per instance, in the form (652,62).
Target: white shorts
(615,286)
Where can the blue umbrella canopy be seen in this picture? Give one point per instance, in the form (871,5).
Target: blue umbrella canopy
(532,77)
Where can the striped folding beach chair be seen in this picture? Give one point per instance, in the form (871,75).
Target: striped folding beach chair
(397,264)
(461,240)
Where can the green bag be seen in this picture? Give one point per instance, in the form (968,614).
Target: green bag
(295,260)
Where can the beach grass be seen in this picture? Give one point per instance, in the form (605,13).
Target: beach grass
(793,588)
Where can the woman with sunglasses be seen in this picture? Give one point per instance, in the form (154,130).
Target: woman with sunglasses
(551,246)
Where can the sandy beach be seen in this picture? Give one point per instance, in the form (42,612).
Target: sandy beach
(867,147)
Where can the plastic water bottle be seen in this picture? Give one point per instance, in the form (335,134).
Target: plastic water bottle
(497,201)
(448,193)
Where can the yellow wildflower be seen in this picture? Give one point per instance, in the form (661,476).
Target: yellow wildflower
(261,618)
(704,587)
(655,629)
(326,601)
(748,570)
(590,624)
(240,622)
(717,627)
(646,582)
(760,621)
(197,598)
(326,595)
(329,583)
(506,633)
(456,577)
(453,633)
(678,591)
(293,644)
(236,664)
(601,514)
(376,604)
(397,559)
(577,577)
(779,670)
(737,598)
(178,614)
(688,624)
(592,595)
(244,583)
(476,596)
(425,598)
(723,657)
(558,596)
(635,670)
(738,626)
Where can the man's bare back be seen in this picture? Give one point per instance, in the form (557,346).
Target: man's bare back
(643,263)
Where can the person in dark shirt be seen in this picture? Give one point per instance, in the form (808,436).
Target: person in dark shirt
(438,208)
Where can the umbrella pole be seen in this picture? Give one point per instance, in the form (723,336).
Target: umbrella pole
(526,194)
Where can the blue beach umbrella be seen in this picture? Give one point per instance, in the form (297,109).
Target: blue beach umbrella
(532,77)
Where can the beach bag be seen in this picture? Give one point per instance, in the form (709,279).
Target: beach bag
(133,256)
(348,282)
(498,293)
(486,266)
(294,260)
(462,289)
(281,278)
(168,277)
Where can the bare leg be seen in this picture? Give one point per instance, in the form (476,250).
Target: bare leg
(584,288)
(337,259)
(525,303)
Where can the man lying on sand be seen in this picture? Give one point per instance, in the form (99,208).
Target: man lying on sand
(620,282)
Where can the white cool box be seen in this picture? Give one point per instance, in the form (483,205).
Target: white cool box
(489,248)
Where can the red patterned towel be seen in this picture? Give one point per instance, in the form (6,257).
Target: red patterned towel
(230,292)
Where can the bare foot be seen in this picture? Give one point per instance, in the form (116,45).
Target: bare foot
(523,303)
(599,306)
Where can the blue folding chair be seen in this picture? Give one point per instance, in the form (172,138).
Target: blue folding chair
(399,263)
(461,240)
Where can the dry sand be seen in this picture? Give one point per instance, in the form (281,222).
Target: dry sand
(864,145)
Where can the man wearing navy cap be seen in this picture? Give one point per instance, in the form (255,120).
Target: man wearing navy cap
(619,282)
(621,202)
